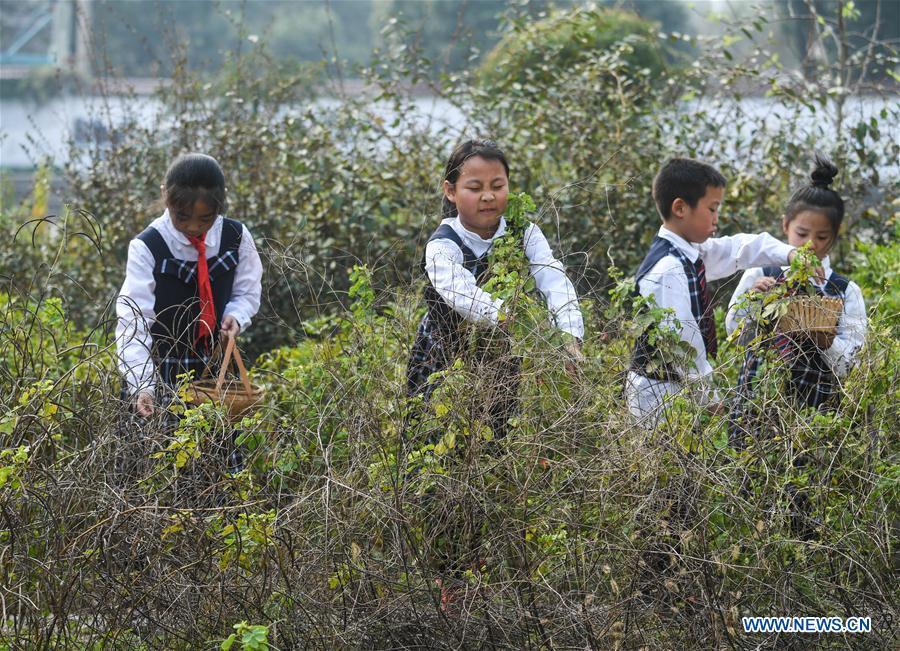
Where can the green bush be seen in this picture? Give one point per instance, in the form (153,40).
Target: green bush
(357,498)
(355,181)
(537,51)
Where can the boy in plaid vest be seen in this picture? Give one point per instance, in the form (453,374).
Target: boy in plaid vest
(683,257)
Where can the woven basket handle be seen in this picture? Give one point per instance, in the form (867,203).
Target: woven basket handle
(231,351)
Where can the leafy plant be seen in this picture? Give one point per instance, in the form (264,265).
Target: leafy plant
(251,637)
(638,316)
(508,275)
(12,466)
(245,539)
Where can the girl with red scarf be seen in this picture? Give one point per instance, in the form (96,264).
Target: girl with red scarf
(192,275)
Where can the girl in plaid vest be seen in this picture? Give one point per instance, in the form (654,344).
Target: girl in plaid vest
(192,275)
(817,360)
(476,186)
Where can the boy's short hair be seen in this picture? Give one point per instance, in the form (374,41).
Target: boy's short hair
(683,178)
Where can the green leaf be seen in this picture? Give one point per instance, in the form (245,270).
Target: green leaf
(256,639)
(8,423)
(228,642)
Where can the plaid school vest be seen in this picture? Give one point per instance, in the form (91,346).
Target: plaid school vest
(811,378)
(177,304)
(644,352)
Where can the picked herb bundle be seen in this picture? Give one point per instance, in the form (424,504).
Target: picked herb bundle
(508,274)
(795,305)
(797,282)
(523,317)
(509,277)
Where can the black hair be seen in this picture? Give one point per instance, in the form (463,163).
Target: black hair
(487,149)
(686,179)
(818,195)
(195,177)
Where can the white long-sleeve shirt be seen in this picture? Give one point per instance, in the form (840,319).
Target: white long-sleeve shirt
(851,327)
(667,283)
(458,287)
(135,303)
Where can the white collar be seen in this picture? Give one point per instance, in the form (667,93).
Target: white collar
(212,235)
(690,251)
(466,234)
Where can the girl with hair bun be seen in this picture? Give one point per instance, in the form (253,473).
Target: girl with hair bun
(818,360)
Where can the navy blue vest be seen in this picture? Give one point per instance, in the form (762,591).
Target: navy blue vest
(644,352)
(177,304)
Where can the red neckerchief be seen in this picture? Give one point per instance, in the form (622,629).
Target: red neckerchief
(207,322)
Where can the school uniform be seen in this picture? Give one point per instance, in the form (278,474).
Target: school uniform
(158,307)
(675,273)
(456,262)
(814,373)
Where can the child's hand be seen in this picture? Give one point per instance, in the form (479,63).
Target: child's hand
(574,357)
(764,284)
(230,327)
(143,403)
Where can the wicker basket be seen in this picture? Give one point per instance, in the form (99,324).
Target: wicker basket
(812,314)
(237,398)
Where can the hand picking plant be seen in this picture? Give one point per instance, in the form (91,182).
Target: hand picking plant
(766,308)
